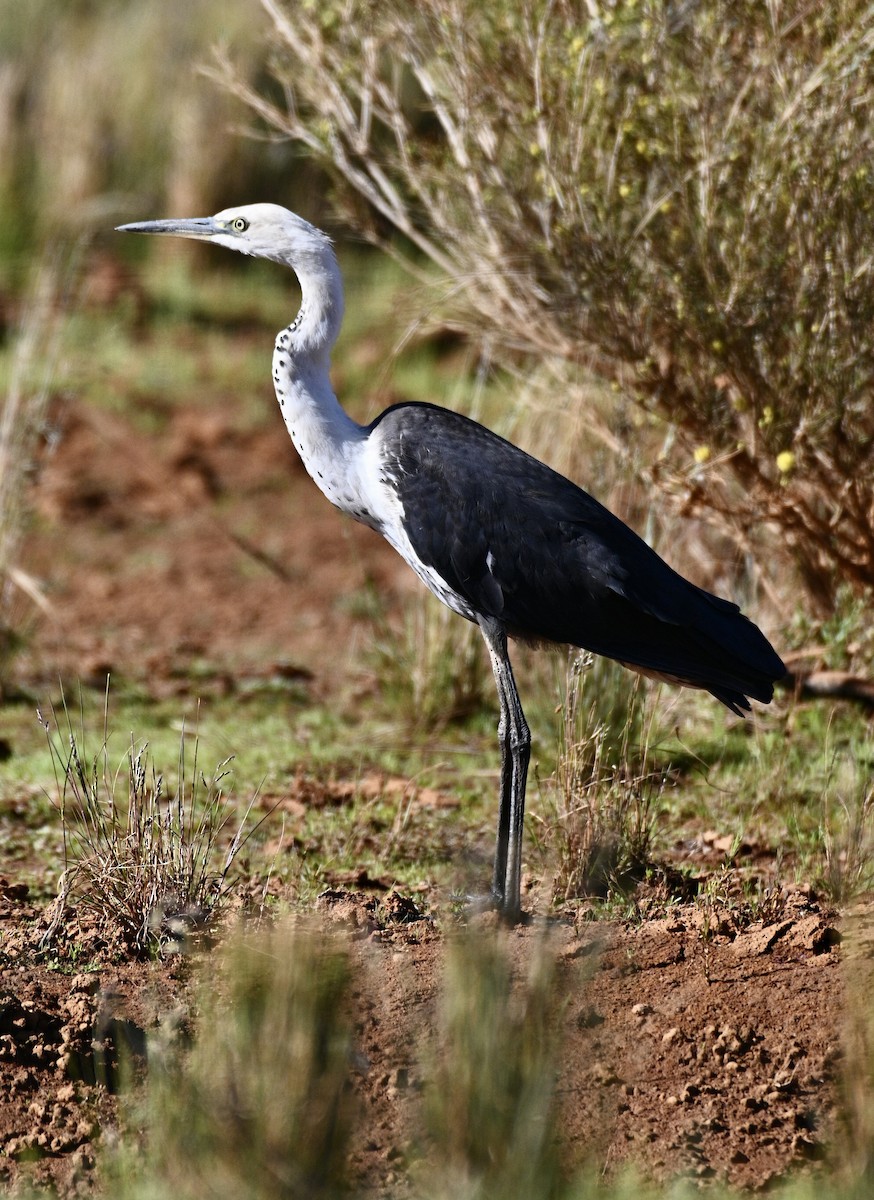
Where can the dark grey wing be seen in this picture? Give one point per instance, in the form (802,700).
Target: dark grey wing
(520,542)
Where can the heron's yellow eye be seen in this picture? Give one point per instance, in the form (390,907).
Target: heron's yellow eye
(239,224)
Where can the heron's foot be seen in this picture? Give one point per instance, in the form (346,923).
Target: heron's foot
(481,902)
(492,901)
(513,915)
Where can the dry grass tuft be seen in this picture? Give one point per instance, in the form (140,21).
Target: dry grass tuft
(606,794)
(136,852)
(847,831)
(434,668)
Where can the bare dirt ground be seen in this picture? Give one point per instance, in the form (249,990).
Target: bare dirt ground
(716,1057)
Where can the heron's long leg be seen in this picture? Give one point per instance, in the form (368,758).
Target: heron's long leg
(499,879)
(515,739)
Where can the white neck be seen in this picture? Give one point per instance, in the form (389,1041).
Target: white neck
(328,441)
(317,324)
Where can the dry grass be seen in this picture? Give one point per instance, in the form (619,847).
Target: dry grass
(846,828)
(434,668)
(154,861)
(607,793)
(679,199)
(102,110)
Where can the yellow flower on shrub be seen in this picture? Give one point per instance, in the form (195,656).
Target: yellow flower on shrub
(701,454)
(785,461)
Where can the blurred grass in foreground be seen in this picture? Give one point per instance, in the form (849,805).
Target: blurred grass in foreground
(255,1098)
(258,1106)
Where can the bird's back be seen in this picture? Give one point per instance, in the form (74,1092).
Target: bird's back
(515,540)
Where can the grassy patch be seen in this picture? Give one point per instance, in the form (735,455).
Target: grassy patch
(353,793)
(399,799)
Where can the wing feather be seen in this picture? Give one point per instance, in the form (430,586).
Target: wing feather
(524,544)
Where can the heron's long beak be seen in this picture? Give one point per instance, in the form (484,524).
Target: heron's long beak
(192,227)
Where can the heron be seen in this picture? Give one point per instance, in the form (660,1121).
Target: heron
(497,535)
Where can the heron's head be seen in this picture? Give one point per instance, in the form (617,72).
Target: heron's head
(262,230)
